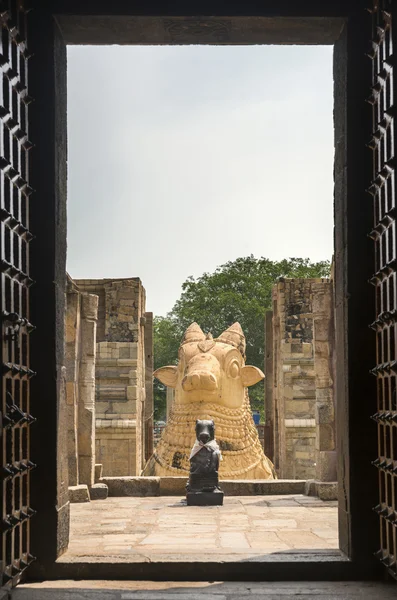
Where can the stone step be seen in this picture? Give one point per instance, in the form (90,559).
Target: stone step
(149,590)
(171,486)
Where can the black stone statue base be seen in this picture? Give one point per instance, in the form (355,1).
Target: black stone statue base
(214,498)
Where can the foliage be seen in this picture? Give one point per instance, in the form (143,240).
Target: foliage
(239,290)
(166,340)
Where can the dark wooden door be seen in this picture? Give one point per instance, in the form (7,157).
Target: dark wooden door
(382,53)
(14,293)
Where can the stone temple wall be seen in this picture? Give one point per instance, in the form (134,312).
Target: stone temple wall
(80,356)
(123,375)
(300,400)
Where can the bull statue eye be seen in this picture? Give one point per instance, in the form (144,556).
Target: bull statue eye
(234,369)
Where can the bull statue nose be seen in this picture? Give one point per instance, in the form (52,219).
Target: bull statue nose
(199,381)
(204,437)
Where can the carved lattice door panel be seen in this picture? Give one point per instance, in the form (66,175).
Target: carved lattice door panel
(383,190)
(14,293)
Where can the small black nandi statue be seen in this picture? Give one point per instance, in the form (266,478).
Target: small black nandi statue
(203,486)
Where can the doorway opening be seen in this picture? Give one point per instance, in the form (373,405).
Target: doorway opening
(234,31)
(217,140)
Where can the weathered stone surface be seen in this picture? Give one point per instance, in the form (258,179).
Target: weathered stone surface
(135,530)
(217,390)
(264,487)
(173,486)
(186,590)
(148,411)
(325,439)
(327,490)
(123,374)
(116,446)
(323,490)
(99,491)
(80,321)
(132,486)
(325,413)
(176,486)
(326,467)
(302,374)
(98,472)
(79,493)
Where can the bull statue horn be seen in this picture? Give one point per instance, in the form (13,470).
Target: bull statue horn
(193,333)
(234,335)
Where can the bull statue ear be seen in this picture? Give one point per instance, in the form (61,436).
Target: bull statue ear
(167,375)
(251,375)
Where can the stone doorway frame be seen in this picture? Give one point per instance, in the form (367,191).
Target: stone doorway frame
(343,23)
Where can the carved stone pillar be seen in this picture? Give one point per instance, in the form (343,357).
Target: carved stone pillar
(269,383)
(72,334)
(86,406)
(323,338)
(149,402)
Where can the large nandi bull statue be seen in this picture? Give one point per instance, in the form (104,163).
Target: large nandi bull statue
(210,382)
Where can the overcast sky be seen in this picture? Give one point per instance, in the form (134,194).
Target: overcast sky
(184,157)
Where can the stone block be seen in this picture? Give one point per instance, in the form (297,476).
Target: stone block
(70,392)
(86,464)
(298,409)
(99,491)
(299,454)
(325,438)
(132,392)
(327,490)
(78,493)
(325,394)
(323,490)
(322,329)
(296,348)
(88,337)
(321,349)
(214,498)
(326,466)
(303,383)
(98,472)
(124,362)
(173,486)
(265,487)
(128,406)
(132,486)
(325,413)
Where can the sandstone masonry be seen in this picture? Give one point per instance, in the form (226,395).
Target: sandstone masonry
(299,389)
(121,375)
(80,356)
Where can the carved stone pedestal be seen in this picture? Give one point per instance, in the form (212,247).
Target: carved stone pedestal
(214,498)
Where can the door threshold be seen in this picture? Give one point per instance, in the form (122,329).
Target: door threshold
(326,565)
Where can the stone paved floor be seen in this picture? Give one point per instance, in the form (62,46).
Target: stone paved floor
(150,590)
(164,528)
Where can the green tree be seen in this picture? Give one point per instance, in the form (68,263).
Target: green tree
(166,340)
(239,290)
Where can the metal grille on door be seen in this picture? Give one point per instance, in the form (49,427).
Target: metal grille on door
(14,292)
(383,190)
